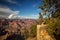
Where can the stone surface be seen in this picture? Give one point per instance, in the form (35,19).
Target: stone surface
(42,33)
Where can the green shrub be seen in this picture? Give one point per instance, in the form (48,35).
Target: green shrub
(33,31)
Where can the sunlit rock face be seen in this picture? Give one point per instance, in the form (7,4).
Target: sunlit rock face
(13,27)
(42,33)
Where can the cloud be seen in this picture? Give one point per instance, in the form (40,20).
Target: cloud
(32,16)
(11,1)
(5,12)
(8,13)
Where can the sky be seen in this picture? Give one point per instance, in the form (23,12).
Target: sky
(20,8)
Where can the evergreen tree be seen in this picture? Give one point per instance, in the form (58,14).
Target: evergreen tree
(51,8)
(40,18)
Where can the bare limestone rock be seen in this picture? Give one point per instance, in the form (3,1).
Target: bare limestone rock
(42,33)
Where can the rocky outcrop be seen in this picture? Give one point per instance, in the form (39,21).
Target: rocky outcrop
(42,33)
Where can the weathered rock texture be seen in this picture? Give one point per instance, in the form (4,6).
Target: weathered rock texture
(42,33)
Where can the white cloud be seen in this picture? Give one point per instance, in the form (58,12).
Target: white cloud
(33,16)
(5,12)
(11,1)
(8,13)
